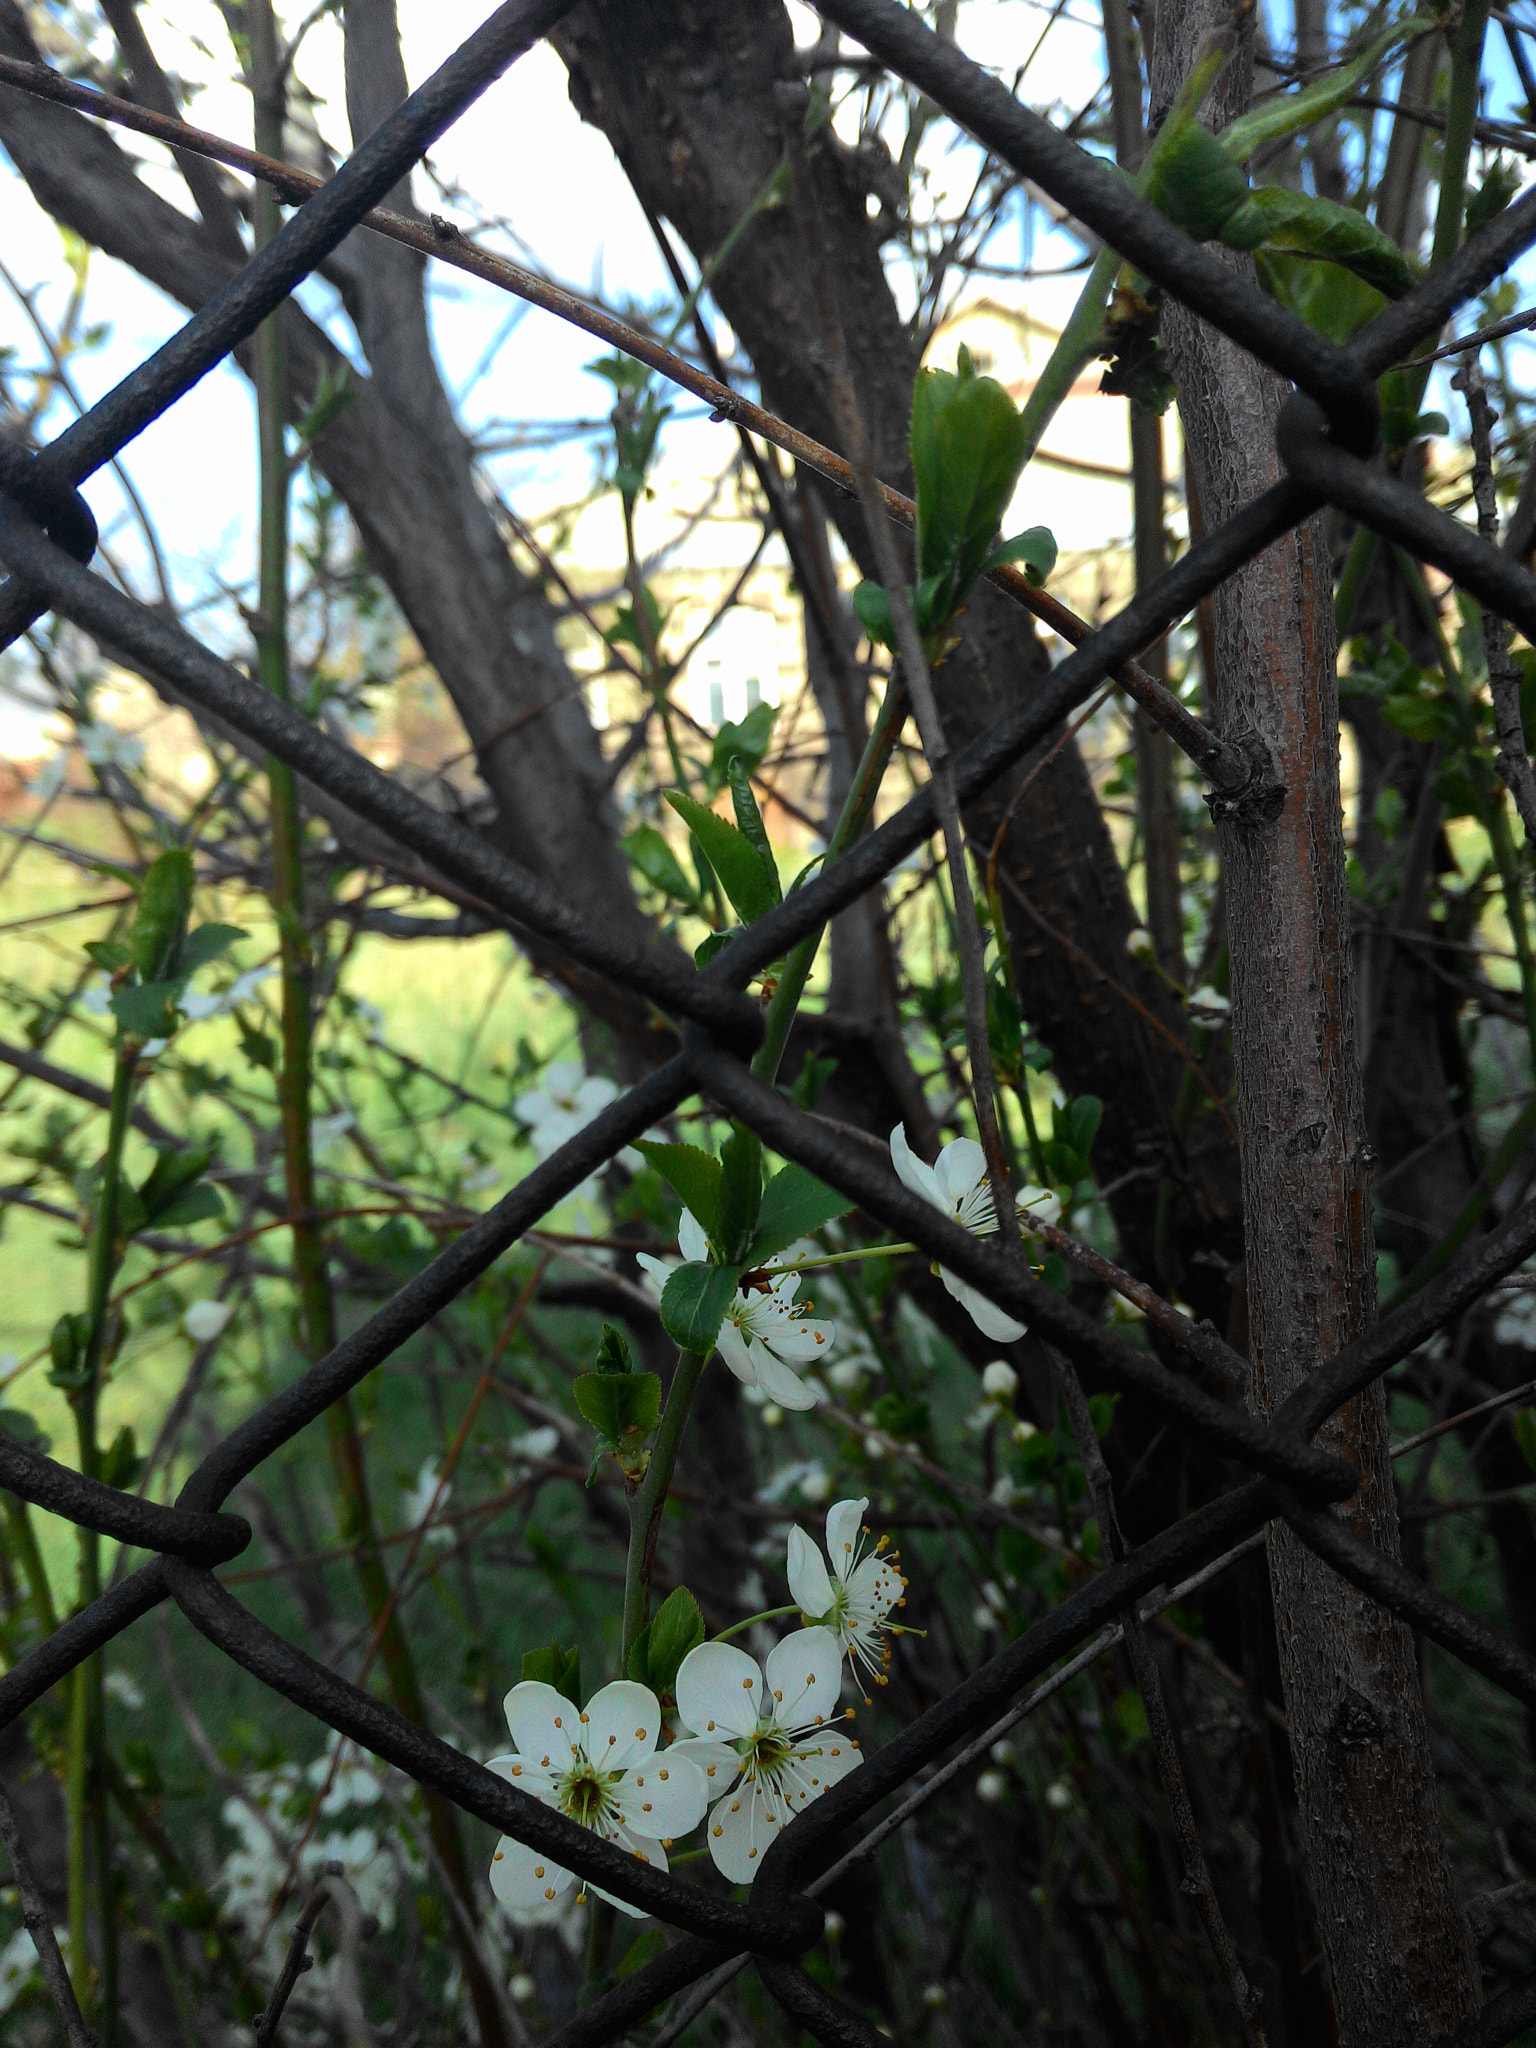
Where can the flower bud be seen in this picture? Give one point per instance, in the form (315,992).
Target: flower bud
(1139,944)
(991,1786)
(999,1380)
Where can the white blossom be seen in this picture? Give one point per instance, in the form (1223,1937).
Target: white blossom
(991,1786)
(565,1102)
(419,1499)
(123,1688)
(599,1768)
(956,1183)
(785,1738)
(766,1333)
(999,1381)
(1138,944)
(205,1320)
(1207,1006)
(536,1446)
(854,1597)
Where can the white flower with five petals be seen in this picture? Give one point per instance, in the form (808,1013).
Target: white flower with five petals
(853,1598)
(956,1183)
(766,1334)
(786,1738)
(599,1767)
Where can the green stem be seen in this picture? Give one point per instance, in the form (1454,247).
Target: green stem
(23,1544)
(863,1251)
(768,1614)
(85,1778)
(650,1497)
(857,805)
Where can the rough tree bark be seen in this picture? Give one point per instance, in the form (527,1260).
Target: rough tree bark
(1397,1940)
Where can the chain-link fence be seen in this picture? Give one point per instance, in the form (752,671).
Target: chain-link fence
(1326,436)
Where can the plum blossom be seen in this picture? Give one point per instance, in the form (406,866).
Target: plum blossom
(566,1101)
(766,1332)
(786,1739)
(956,1183)
(205,1320)
(599,1768)
(853,1599)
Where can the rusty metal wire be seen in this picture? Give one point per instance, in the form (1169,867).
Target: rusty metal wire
(1325,440)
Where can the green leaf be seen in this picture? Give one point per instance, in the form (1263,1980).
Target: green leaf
(174,1191)
(1300,224)
(708,947)
(646,850)
(613,1351)
(695,1174)
(619,1404)
(874,610)
(794,1204)
(749,821)
(555,1666)
(165,902)
(147,1009)
(208,942)
(676,1628)
(748,737)
(751,887)
(1325,295)
(1196,183)
(967,443)
(1291,113)
(120,1463)
(1499,186)
(17,1423)
(741,1190)
(1035,547)
(109,953)
(694,1302)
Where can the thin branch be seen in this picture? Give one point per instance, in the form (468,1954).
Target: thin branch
(38,1922)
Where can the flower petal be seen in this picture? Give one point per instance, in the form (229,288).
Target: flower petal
(526,1775)
(911,1171)
(844,1519)
(959,1168)
(649,1851)
(692,1240)
(736,1350)
(809,1585)
(717,1760)
(525,1880)
(778,1381)
(622,1723)
(545,1726)
(718,1690)
(820,1760)
(991,1321)
(801,1340)
(665,1796)
(805,1678)
(742,1825)
(1039,1205)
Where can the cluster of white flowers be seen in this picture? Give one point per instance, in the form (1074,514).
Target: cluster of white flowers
(766,1333)
(756,1743)
(255,1871)
(956,1183)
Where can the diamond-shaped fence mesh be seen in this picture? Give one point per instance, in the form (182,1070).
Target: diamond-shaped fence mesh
(1326,437)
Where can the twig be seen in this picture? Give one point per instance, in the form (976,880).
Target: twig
(298,1958)
(1411,1443)
(38,1922)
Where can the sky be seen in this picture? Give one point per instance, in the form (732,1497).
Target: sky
(526,155)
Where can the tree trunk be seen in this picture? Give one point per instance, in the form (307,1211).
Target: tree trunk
(1397,1941)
